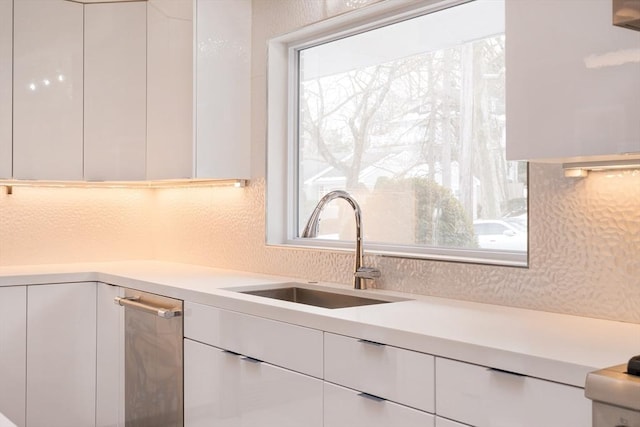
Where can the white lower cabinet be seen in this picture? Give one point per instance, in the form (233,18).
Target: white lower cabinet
(344,407)
(13,334)
(61,355)
(373,384)
(110,358)
(392,373)
(279,343)
(226,389)
(485,397)
(61,365)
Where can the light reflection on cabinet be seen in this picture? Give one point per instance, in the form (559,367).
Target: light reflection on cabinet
(105,91)
(47,90)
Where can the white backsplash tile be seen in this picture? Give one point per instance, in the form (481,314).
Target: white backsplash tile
(585,240)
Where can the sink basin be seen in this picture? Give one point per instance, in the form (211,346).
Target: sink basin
(303,294)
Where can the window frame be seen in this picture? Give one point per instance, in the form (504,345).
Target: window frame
(282,133)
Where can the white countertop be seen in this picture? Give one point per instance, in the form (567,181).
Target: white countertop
(551,346)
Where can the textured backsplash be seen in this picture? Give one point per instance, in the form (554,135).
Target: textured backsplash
(584,247)
(584,241)
(59,225)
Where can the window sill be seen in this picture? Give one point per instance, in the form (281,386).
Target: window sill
(466,256)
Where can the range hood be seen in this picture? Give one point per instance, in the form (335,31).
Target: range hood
(626,13)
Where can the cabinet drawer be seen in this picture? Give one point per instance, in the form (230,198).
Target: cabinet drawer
(225,389)
(403,376)
(344,407)
(484,397)
(282,344)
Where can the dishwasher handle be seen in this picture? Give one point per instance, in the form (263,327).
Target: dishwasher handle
(136,304)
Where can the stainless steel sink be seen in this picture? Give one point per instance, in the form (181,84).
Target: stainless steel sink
(303,294)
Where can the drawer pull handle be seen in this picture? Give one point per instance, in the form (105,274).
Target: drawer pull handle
(232,353)
(251,359)
(503,371)
(375,343)
(136,304)
(371,397)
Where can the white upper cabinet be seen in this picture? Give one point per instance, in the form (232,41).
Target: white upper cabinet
(115,91)
(47,90)
(170,142)
(573,81)
(6,52)
(105,91)
(223,80)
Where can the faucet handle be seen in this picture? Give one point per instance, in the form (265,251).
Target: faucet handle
(367,273)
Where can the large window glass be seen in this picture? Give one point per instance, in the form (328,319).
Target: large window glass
(409,118)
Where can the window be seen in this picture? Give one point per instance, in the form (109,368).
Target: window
(407,114)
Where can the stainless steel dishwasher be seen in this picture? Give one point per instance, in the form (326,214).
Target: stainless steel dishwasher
(153,360)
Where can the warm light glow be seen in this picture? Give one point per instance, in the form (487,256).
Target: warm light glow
(575,173)
(181,183)
(581,169)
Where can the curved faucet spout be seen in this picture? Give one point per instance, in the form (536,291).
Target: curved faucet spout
(311,230)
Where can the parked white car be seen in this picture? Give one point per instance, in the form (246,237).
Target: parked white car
(503,234)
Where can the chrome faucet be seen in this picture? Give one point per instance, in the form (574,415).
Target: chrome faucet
(311,230)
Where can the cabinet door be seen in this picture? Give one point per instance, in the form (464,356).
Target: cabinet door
(6,79)
(484,397)
(170,49)
(223,103)
(400,375)
(115,95)
(229,390)
(282,344)
(109,358)
(273,396)
(61,355)
(346,407)
(13,336)
(47,90)
(211,386)
(572,79)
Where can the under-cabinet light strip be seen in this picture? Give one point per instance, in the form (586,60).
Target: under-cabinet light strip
(187,183)
(581,169)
